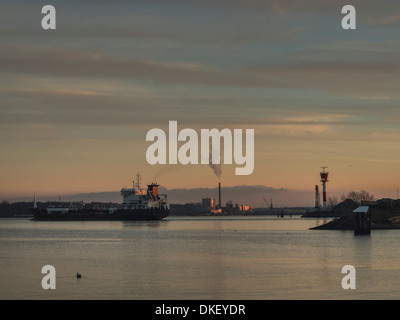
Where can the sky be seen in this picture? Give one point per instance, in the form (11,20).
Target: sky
(77,102)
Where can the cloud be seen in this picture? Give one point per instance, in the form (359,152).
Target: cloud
(58,93)
(374,80)
(65,105)
(283,7)
(275,6)
(385,20)
(377,80)
(74,63)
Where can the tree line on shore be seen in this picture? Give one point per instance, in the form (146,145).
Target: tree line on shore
(356,196)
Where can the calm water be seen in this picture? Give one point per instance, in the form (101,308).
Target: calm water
(196,258)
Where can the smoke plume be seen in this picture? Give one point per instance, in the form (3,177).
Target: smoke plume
(217,168)
(167,168)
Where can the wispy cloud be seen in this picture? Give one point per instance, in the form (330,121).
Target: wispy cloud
(339,77)
(392,19)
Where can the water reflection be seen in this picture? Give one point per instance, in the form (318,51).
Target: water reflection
(144,224)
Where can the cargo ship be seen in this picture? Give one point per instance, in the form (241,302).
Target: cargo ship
(138,205)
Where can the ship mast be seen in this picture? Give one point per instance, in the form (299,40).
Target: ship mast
(136,184)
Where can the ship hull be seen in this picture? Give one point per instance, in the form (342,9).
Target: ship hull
(98,215)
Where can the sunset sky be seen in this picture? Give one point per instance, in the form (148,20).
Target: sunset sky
(76,102)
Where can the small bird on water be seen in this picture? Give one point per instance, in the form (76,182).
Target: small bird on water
(78,275)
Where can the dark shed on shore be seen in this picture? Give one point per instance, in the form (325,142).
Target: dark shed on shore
(362,221)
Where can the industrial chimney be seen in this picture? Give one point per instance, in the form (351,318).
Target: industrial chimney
(324,180)
(219,196)
(317,205)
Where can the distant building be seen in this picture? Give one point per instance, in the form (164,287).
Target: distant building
(231,209)
(208,203)
(208,206)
